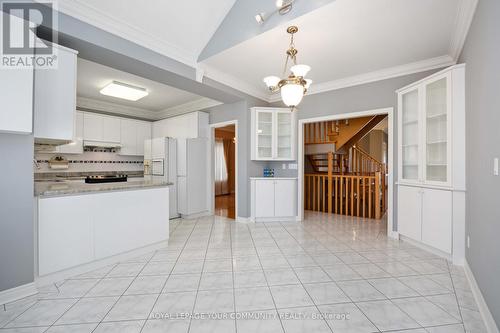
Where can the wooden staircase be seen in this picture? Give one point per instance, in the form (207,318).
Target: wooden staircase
(319,162)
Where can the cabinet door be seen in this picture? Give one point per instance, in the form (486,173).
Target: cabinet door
(264,198)
(128,137)
(264,135)
(92,127)
(285,197)
(437,219)
(410,212)
(437,130)
(284,135)
(16,89)
(111,129)
(55,99)
(143,134)
(409,134)
(76,146)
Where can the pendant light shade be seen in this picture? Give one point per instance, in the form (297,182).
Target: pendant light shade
(300,70)
(271,81)
(292,94)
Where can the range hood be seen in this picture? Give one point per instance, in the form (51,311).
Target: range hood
(101,144)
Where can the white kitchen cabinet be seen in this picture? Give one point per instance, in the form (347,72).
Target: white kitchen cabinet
(272,134)
(111,129)
(143,134)
(101,128)
(92,127)
(76,145)
(55,99)
(187,126)
(16,92)
(431,151)
(273,199)
(128,128)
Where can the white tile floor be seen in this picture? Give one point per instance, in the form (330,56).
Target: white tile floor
(328,274)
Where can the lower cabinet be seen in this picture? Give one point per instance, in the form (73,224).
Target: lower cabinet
(425,215)
(273,199)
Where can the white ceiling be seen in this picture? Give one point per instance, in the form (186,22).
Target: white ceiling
(345,40)
(92,77)
(179,29)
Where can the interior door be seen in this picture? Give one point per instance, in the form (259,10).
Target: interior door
(437,219)
(410,212)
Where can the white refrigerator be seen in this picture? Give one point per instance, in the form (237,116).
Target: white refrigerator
(160,162)
(192,176)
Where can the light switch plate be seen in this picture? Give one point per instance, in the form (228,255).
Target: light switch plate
(292,166)
(284,166)
(495,166)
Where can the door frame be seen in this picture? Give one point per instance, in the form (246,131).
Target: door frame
(212,178)
(390,159)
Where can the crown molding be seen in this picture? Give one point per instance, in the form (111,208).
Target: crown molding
(196,105)
(233,82)
(384,74)
(107,107)
(86,13)
(463,21)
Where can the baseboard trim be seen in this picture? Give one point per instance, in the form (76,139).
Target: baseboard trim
(45,280)
(427,248)
(14,294)
(196,215)
(241,219)
(394,235)
(491,326)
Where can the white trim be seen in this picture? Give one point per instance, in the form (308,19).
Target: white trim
(192,106)
(196,215)
(383,74)
(488,319)
(14,294)
(465,14)
(85,12)
(212,180)
(41,281)
(425,247)
(430,77)
(235,83)
(349,115)
(246,220)
(92,104)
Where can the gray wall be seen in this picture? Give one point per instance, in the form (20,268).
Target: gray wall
(16,211)
(360,98)
(482,56)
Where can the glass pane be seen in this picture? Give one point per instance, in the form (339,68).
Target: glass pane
(284,135)
(410,135)
(264,134)
(436,132)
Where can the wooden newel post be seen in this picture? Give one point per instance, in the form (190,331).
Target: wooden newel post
(377,194)
(330,181)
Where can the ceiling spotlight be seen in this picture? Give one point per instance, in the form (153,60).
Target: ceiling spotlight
(280,3)
(125,91)
(260,18)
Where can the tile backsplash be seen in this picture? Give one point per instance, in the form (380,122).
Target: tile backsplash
(90,161)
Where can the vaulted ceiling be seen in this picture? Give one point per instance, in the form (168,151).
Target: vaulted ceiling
(346,42)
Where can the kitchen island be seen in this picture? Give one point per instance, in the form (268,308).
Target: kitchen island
(82,226)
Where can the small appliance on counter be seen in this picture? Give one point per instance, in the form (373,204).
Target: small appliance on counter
(268,172)
(58,163)
(106,179)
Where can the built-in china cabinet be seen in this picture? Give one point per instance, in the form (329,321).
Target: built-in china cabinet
(431,153)
(272,134)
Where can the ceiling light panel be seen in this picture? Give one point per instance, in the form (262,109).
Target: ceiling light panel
(124,91)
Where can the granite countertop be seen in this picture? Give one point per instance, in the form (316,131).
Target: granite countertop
(67,187)
(72,175)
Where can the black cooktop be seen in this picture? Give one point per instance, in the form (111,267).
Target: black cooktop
(105,179)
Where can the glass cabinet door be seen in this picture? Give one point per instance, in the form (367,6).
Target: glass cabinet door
(436,133)
(410,135)
(264,134)
(284,135)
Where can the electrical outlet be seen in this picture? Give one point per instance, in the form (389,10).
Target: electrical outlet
(284,166)
(292,166)
(468,242)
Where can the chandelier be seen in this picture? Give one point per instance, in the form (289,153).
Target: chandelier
(293,87)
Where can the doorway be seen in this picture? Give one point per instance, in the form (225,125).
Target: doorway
(356,178)
(224,170)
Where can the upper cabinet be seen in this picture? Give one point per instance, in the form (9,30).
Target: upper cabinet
(187,126)
(272,134)
(431,124)
(55,99)
(16,90)
(101,128)
(133,135)
(76,145)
